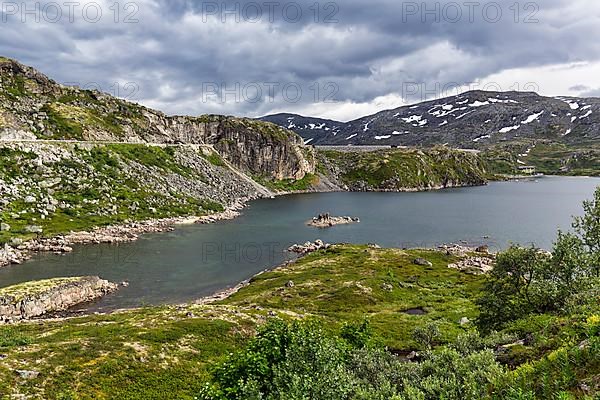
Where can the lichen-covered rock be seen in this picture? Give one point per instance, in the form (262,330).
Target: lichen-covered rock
(33,299)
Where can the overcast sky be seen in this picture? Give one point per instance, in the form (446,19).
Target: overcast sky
(339,60)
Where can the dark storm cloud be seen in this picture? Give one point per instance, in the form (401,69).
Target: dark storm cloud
(193,57)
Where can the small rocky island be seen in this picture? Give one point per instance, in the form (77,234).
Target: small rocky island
(327,221)
(33,299)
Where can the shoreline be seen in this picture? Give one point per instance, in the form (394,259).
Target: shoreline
(131,231)
(112,234)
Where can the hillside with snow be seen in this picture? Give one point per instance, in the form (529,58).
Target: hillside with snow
(471,120)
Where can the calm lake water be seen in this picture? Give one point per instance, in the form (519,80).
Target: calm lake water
(198,260)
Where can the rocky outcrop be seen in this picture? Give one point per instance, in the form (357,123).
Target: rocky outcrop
(327,221)
(34,299)
(309,247)
(474,265)
(402,170)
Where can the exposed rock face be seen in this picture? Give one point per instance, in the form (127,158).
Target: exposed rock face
(34,299)
(257,149)
(34,106)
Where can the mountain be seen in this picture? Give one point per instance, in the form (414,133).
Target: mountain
(474,119)
(32,106)
(309,128)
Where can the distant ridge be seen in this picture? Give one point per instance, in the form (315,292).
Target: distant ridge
(472,119)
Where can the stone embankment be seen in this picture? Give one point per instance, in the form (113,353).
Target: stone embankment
(34,299)
(327,221)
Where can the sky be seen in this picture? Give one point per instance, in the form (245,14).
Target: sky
(339,60)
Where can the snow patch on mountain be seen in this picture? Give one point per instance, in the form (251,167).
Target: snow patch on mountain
(478,103)
(481,138)
(509,128)
(532,117)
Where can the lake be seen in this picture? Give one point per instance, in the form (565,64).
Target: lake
(195,261)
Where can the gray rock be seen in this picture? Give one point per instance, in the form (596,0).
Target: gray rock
(4,227)
(290,284)
(30,199)
(422,262)
(24,374)
(34,229)
(464,321)
(387,287)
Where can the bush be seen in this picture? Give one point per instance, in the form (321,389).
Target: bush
(285,361)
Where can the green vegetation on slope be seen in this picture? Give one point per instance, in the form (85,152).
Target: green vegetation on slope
(549,158)
(158,353)
(289,185)
(347,283)
(403,169)
(97,185)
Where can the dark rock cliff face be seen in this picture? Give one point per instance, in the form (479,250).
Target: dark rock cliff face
(33,106)
(264,149)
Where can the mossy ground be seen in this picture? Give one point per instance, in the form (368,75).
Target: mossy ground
(164,352)
(167,352)
(17,292)
(159,353)
(349,283)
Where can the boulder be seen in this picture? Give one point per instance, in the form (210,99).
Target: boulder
(483,249)
(4,227)
(24,374)
(387,287)
(423,262)
(34,229)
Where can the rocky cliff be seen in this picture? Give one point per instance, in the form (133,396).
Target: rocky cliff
(32,106)
(33,299)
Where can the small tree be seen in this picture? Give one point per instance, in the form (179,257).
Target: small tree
(427,335)
(510,290)
(588,228)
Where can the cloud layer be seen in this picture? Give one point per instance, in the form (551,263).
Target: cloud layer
(339,60)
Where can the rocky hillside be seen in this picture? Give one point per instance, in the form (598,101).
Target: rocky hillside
(32,106)
(402,169)
(475,119)
(53,188)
